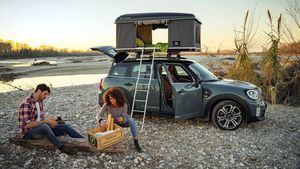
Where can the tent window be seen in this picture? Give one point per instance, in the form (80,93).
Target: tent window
(148,35)
(160,36)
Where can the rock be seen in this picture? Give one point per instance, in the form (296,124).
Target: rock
(139,158)
(120,167)
(232,161)
(28,163)
(102,155)
(241,165)
(200,166)
(63,157)
(94,161)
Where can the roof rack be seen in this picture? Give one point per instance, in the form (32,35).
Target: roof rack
(148,52)
(149,49)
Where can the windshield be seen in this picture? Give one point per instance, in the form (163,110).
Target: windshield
(202,72)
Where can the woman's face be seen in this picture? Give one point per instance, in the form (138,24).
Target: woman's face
(113,101)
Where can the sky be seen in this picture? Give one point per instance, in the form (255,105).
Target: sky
(81,24)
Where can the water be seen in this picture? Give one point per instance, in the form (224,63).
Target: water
(54,81)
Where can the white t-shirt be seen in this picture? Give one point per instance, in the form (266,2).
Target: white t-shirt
(37,105)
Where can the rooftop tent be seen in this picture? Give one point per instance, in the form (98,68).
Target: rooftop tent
(135,30)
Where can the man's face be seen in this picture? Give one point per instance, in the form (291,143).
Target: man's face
(43,94)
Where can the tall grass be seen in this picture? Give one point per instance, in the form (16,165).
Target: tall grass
(243,68)
(272,69)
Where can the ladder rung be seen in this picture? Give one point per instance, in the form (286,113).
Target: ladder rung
(141,90)
(138,110)
(143,84)
(145,74)
(140,100)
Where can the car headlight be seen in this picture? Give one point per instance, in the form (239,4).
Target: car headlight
(252,94)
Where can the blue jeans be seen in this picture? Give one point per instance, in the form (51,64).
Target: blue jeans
(44,130)
(132,125)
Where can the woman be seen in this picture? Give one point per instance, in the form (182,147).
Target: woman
(115,104)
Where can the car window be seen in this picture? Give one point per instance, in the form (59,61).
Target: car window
(145,69)
(118,71)
(179,74)
(201,72)
(180,71)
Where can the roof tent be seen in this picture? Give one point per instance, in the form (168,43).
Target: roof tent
(135,30)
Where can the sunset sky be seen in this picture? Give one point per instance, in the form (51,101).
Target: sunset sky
(80,24)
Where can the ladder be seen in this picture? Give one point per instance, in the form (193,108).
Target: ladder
(145,86)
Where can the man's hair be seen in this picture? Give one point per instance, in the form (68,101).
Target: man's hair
(42,87)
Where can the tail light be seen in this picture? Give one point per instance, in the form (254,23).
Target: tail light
(100,87)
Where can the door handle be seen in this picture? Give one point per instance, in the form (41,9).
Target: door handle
(128,84)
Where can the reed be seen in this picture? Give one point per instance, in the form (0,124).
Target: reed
(243,68)
(272,69)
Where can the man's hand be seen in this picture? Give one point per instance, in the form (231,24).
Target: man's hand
(52,122)
(120,119)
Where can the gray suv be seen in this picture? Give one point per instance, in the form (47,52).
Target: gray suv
(184,89)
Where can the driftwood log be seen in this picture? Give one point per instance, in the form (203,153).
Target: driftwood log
(81,144)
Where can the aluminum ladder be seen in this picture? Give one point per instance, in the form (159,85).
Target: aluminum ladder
(145,86)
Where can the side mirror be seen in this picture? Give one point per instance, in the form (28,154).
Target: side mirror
(197,81)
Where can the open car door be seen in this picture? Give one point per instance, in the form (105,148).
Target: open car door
(111,52)
(186,94)
(187,100)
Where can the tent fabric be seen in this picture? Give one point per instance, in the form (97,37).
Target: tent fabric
(126,35)
(181,33)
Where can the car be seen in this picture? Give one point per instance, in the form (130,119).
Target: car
(175,86)
(184,89)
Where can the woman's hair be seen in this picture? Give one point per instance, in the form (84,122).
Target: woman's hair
(117,94)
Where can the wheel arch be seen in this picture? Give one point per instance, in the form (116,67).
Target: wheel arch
(217,99)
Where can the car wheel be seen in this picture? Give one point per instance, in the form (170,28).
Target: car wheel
(228,115)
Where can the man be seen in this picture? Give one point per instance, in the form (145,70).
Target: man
(33,125)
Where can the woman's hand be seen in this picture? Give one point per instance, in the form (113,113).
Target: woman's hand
(103,124)
(120,119)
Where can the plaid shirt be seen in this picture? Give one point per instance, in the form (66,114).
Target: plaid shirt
(28,113)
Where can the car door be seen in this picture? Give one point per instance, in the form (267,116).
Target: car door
(186,94)
(153,98)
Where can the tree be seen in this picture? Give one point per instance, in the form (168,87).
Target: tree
(5,47)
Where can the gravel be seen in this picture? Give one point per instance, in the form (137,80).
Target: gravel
(166,143)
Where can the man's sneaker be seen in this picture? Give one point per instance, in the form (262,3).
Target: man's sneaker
(68,150)
(137,146)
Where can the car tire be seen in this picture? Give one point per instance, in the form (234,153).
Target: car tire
(228,115)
